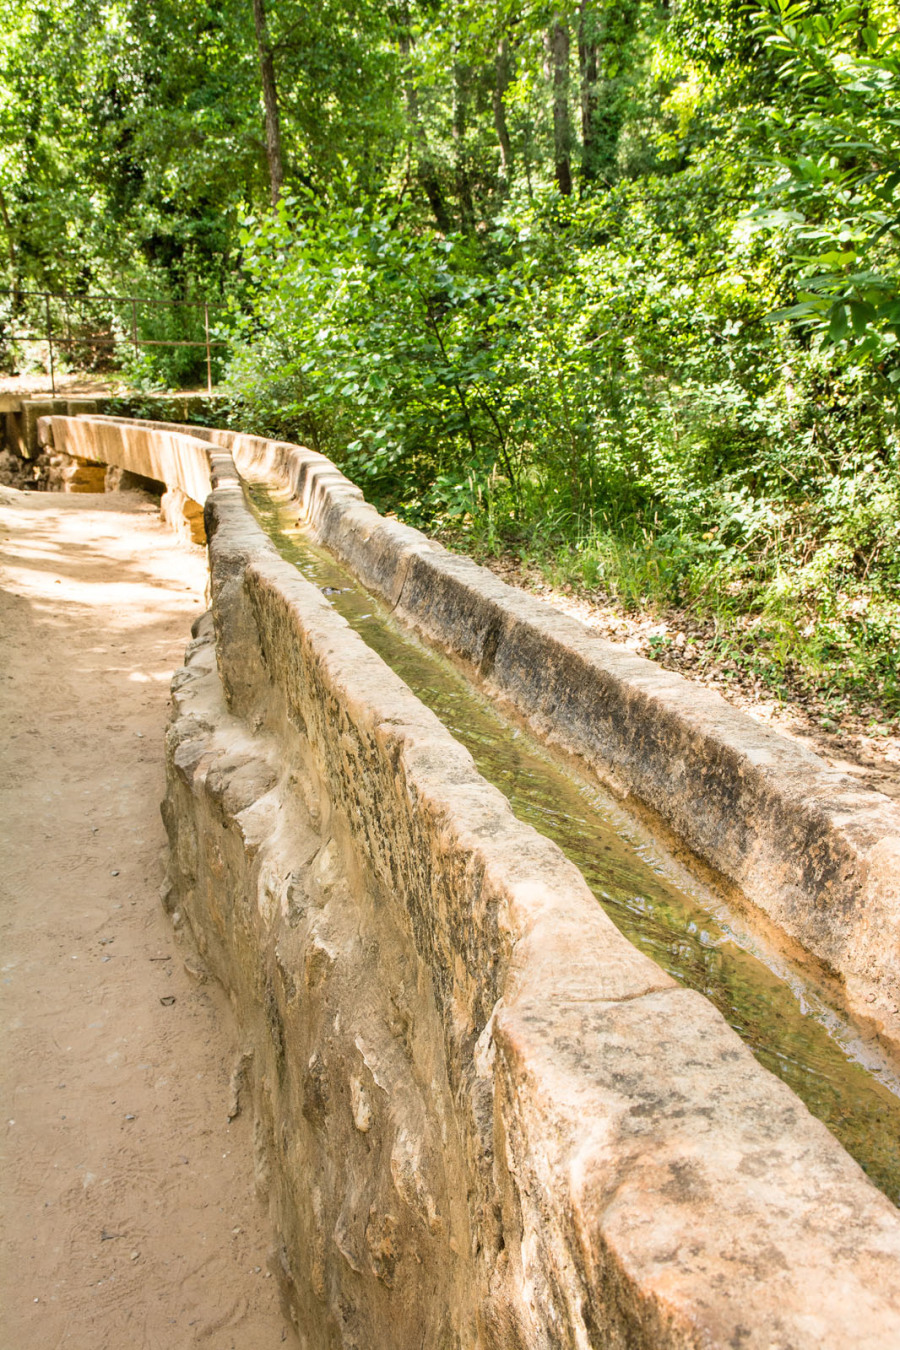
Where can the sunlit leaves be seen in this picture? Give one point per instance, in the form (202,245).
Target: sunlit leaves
(837,134)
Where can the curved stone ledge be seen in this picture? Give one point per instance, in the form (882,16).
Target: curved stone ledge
(819,854)
(484,1118)
(493,1122)
(169,456)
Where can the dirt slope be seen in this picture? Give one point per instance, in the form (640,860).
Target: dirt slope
(130,1215)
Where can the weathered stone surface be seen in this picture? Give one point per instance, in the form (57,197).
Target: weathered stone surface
(485,1120)
(183,515)
(13,436)
(179,461)
(82,475)
(32,410)
(818,853)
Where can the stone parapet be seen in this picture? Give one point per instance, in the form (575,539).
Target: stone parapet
(484,1119)
(804,842)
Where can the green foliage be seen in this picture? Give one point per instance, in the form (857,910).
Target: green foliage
(835,137)
(599,387)
(678,383)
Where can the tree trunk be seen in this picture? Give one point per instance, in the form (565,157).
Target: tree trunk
(604,28)
(558,44)
(11,250)
(461,77)
(590,94)
(502,71)
(270,99)
(426,173)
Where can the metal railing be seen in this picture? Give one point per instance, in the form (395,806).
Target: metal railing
(64,338)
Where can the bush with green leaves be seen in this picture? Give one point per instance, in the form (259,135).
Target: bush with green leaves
(598,384)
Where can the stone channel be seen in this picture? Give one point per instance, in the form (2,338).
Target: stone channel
(486,1118)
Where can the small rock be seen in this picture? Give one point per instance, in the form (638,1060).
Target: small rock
(114,874)
(167,1000)
(135,1255)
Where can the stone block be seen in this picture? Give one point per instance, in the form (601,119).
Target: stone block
(13,433)
(82,475)
(32,410)
(184,515)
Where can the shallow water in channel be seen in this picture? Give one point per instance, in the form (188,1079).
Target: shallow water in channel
(841,1076)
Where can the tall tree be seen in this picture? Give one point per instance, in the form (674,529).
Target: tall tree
(605,30)
(462,76)
(270,100)
(558,52)
(502,75)
(426,170)
(587,67)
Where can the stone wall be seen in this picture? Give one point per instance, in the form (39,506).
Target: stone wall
(90,447)
(23,462)
(171,457)
(817,852)
(484,1119)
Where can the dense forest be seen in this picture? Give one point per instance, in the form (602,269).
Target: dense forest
(613,285)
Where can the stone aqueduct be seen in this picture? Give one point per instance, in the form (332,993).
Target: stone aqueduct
(483,1118)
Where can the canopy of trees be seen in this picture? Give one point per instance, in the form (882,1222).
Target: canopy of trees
(611,281)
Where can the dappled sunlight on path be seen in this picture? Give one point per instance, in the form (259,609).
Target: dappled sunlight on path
(131,1214)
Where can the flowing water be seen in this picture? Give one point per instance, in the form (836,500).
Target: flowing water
(841,1076)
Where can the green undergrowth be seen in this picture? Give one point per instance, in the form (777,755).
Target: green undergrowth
(806,624)
(677,387)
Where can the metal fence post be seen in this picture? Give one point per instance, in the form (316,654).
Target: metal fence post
(50,342)
(68,341)
(208,354)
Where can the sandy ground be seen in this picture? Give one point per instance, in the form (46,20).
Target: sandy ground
(38,383)
(130,1215)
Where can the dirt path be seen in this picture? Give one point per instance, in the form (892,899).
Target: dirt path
(130,1215)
